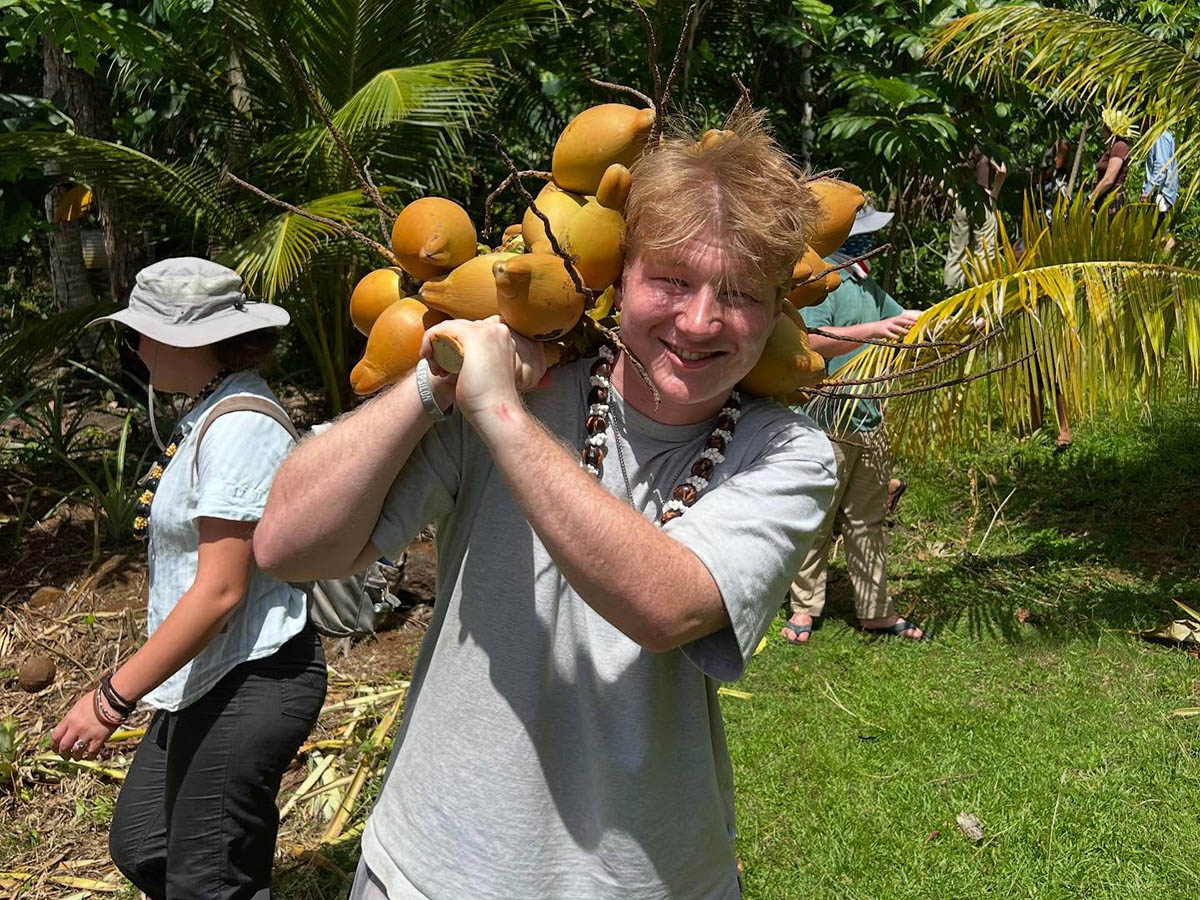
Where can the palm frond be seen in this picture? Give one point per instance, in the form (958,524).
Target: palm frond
(448,93)
(42,340)
(271,259)
(1097,302)
(189,192)
(504,27)
(1073,57)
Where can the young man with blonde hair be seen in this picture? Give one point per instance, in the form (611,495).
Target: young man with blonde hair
(603,560)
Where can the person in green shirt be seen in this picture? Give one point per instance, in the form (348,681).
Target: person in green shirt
(858,309)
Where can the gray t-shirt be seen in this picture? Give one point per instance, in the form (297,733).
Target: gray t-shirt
(543,753)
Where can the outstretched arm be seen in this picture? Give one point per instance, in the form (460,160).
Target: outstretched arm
(850,337)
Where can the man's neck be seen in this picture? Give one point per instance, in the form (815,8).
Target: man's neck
(636,393)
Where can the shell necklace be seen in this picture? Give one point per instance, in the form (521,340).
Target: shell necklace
(599,418)
(150,481)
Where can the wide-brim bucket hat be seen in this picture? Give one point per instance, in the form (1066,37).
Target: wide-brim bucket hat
(190,302)
(869,219)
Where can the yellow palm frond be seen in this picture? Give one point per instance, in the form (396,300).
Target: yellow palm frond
(1094,302)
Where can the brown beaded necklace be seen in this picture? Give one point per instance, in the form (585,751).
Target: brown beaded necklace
(599,419)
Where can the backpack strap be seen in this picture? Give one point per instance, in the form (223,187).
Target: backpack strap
(242,403)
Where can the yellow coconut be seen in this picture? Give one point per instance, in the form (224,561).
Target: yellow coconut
(840,203)
(594,140)
(787,363)
(394,345)
(559,207)
(715,136)
(809,263)
(596,234)
(536,295)
(814,292)
(469,292)
(431,236)
(373,294)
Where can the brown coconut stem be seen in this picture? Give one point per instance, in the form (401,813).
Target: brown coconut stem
(924,367)
(633,92)
(743,101)
(652,47)
(491,198)
(613,337)
(568,261)
(690,21)
(924,389)
(845,265)
(385,213)
(341,228)
(894,345)
(826,173)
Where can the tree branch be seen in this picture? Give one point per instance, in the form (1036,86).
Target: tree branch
(924,389)
(341,228)
(626,90)
(385,212)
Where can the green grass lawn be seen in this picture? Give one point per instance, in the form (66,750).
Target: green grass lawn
(854,755)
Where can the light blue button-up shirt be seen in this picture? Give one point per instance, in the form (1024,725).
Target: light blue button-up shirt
(1162,171)
(238,460)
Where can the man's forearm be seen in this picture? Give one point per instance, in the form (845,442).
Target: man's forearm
(328,494)
(648,585)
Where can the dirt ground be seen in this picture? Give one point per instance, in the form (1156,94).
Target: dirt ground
(86,618)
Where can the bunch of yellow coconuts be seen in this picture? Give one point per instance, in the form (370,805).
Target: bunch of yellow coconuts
(528,285)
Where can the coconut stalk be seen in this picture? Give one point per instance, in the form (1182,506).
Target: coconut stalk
(86,884)
(313,777)
(365,766)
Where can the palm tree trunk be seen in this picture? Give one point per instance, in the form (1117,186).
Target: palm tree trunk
(68,277)
(807,134)
(88,106)
(1078,159)
(893,255)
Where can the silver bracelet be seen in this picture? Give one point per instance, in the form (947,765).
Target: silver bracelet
(425,391)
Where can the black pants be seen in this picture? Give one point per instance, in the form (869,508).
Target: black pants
(196,817)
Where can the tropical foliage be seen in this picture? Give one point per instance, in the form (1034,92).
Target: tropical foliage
(1143,63)
(402,82)
(1085,304)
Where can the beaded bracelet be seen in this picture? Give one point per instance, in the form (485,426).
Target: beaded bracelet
(98,708)
(119,704)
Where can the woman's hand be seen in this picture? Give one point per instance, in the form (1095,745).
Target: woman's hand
(498,364)
(80,735)
(896,327)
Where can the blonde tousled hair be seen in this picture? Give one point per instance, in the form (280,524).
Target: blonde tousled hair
(738,187)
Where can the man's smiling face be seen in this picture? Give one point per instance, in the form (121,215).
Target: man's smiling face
(695,326)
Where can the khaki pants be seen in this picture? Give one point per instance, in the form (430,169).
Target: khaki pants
(858,501)
(965,234)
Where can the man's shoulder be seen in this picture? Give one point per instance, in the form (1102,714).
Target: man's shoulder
(769,423)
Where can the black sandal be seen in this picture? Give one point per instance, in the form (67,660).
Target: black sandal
(796,631)
(896,630)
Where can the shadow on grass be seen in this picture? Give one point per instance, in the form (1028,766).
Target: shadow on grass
(1096,539)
